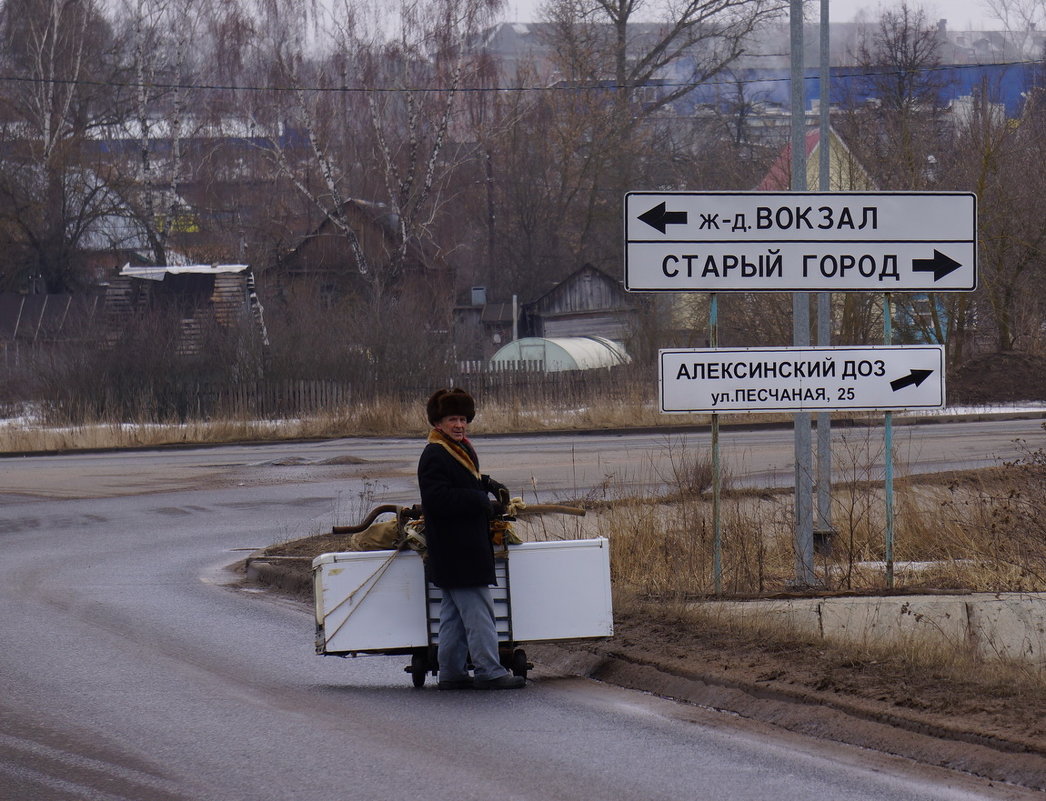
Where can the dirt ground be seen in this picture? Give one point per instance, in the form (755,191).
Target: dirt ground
(984,726)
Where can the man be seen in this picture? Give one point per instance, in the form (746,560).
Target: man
(457,510)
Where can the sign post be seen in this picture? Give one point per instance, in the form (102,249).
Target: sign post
(801,242)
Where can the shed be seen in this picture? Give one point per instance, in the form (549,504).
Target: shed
(553,355)
(587,303)
(325,255)
(222,293)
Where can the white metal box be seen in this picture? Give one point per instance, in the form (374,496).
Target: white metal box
(377,600)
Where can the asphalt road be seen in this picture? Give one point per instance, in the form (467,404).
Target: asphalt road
(130,669)
(540,468)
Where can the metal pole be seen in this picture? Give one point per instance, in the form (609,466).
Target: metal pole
(888,446)
(798,104)
(717,476)
(804,537)
(824,299)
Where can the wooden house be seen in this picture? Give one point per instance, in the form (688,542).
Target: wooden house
(587,303)
(326,257)
(198,296)
(845,172)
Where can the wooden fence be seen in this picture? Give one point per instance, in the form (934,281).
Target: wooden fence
(289,398)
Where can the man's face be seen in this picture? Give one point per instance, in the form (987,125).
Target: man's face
(454,426)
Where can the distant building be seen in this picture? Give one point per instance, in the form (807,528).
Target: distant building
(198,296)
(846,174)
(1004,61)
(587,303)
(325,257)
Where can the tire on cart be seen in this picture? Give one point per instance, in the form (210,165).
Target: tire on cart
(519,664)
(419,666)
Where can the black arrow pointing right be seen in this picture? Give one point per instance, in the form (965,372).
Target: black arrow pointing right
(658,218)
(940,265)
(915,377)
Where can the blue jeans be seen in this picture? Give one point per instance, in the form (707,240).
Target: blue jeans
(467,628)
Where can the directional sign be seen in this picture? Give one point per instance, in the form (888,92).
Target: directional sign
(800,241)
(802,379)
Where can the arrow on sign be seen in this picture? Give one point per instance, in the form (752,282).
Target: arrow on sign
(915,377)
(658,218)
(940,265)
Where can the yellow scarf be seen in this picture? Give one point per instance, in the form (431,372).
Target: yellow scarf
(455,449)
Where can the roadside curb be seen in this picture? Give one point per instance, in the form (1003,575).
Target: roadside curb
(269,571)
(816,715)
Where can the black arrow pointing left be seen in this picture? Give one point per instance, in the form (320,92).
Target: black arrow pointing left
(915,377)
(660,219)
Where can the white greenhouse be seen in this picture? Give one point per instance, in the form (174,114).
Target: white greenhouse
(559,353)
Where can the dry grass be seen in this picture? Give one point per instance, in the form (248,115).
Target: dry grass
(933,664)
(388,417)
(983,531)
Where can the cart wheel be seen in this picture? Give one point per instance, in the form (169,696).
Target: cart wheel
(419,666)
(520,665)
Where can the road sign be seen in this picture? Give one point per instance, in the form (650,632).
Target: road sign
(800,241)
(802,379)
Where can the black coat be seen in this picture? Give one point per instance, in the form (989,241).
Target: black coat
(457,521)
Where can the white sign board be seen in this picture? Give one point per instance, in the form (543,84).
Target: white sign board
(800,241)
(802,379)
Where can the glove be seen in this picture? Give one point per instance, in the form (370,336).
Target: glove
(498,490)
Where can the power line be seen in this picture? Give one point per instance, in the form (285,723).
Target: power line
(562,86)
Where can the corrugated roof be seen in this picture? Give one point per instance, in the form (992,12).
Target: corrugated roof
(158,273)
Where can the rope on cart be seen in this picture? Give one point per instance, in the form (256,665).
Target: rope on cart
(372,581)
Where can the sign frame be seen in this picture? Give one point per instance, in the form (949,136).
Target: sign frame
(801,379)
(843,241)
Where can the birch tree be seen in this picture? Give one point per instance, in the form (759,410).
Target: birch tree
(170,57)
(376,113)
(50,193)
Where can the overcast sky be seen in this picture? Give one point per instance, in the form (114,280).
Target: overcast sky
(961,14)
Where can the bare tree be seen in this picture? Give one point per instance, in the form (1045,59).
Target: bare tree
(1011,219)
(50,190)
(177,53)
(899,127)
(692,42)
(376,113)
(896,127)
(1020,19)
(626,79)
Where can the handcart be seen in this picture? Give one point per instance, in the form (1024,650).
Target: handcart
(379,602)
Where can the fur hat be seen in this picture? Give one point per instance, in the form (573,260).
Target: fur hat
(445,402)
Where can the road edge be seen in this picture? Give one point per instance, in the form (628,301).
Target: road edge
(819,716)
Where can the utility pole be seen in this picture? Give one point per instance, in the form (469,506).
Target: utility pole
(804,521)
